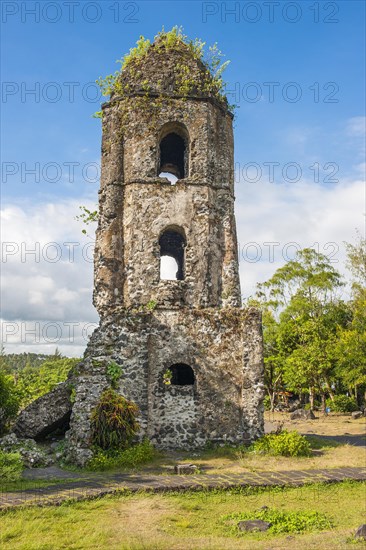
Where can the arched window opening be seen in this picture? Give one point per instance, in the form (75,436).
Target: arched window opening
(172,246)
(172,155)
(182,375)
(173,151)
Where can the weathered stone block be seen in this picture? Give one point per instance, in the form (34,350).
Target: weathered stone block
(254,525)
(185,469)
(45,414)
(302,414)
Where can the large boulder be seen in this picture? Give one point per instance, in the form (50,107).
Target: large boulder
(46,414)
(302,414)
(357,414)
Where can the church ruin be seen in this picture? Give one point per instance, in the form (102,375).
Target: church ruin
(190,355)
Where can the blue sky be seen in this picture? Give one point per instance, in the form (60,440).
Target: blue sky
(278,51)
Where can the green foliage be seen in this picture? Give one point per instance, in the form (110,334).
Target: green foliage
(212,59)
(351,343)
(11,466)
(283,444)
(114,372)
(342,404)
(317,405)
(167,377)
(140,50)
(25,377)
(33,382)
(113,421)
(267,403)
(12,363)
(302,318)
(284,522)
(9,400)
(151,305)
(356,263)
(133,457)
(310,277)
(88,216)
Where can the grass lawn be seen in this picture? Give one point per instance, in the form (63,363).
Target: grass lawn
(186,521)
(325,434)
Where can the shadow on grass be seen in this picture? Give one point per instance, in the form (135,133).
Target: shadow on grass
(324,441)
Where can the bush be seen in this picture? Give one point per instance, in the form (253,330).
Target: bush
(113,421)
(11,466)
(267,403)
(129,458)
(285,522)
(342,404)
(283,444)
(317,405)
(8,399)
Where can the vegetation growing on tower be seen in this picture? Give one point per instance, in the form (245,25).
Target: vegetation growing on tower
(207,81)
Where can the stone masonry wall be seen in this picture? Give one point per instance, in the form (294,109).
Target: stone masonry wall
(222,347)
(133,198)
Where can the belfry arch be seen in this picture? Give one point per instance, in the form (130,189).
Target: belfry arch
(173,150)
(172,243)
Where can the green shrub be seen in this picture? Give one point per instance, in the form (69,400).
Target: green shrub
(113,421)
(317,405)
(114,371)
(267,403)
(284,522)
(129,458)
(11,466)
(9,401)
(283,444)
(342,404)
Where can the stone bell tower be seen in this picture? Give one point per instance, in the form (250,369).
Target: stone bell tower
(190,355)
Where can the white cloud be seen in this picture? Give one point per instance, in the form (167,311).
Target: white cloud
(47,269)
(356,126)
(273,216)
(47,277)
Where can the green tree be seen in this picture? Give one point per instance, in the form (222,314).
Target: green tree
(306,312)
(273,361)
(351,345)
(33,382)
(9,401)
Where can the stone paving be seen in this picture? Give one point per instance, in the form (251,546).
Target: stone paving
(100,485)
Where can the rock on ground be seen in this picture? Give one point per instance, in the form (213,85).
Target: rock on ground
(184,469)
(32,455)
(361,532)
(45,414)
(254,525)
(302,414)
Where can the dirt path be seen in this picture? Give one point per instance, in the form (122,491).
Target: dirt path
(96,485)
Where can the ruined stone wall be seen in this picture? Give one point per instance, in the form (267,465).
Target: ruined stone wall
(222,347)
